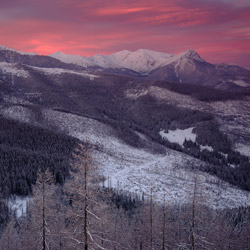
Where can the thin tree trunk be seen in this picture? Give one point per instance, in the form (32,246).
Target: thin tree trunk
(44,235)
(85,205)
(164,225)
(151,221)
(193,215)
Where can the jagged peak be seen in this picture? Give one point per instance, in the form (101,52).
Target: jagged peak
(192,54)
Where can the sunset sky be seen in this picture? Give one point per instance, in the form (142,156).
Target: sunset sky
(219,30)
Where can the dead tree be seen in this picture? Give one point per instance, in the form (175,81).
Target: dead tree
(82,192)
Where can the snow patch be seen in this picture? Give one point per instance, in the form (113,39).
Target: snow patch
(241,83)
(243,149)
(18,205)
(208,148)
(179,136)
(134,94)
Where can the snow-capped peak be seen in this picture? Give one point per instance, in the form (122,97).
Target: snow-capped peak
(191,54)
(19,52)
(75,59)
(141,60)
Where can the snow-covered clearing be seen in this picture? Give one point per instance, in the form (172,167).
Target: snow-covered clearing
(179,135)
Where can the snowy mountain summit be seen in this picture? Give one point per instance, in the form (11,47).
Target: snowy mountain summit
(142,60)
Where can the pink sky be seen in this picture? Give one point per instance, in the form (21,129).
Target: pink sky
(219,30)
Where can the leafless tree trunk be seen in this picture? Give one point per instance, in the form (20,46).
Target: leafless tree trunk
(42,214)
(164,224)
(82,190)
(193,215)
(151,219)
(86,167)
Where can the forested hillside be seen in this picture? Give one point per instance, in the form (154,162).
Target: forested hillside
(24,149)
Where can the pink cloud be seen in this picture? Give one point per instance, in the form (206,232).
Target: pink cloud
(219,30)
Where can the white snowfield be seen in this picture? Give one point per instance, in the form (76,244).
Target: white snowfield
(139,171)
(142,60)
(179,135)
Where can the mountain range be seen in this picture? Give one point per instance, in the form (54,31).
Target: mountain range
(187,67)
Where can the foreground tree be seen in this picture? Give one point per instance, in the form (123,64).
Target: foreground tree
(37,230)
(84,228)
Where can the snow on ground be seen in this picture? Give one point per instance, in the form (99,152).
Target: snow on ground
(20,113)
(241,83)
(13,69)
(179,135)
(18,205)
(243,149)
(208,148)
(138,171)
(134,93)
(58,71)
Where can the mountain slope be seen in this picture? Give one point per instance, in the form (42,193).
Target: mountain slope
(11,56)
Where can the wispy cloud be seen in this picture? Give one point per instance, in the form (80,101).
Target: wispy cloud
(219,29)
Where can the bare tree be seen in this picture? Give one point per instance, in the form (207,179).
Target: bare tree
(82,192)
(37,232)
(193,221)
